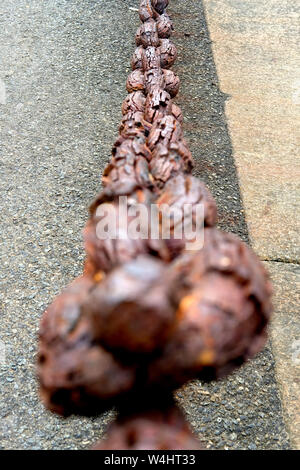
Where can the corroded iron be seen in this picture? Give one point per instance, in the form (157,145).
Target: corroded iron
(147,314)
(160,428)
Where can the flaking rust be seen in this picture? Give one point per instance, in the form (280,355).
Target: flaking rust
(147,314)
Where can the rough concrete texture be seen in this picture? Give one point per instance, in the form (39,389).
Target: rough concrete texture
(63,70)
(285,335)
(255,47)
(256,50)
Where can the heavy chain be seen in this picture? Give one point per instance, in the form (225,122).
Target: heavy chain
(147,314)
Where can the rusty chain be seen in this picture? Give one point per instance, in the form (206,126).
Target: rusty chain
(147,315)
(161,426)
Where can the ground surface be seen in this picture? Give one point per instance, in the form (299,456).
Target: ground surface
(63,70)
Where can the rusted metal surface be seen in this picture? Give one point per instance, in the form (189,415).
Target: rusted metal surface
(146,314)
(160,428)
(74,369)
(223,298)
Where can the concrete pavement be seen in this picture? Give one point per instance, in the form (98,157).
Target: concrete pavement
(63,69)
(256,50)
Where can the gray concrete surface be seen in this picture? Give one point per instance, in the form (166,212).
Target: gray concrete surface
(255,47)
(62,75)
(285,335)
(256,50)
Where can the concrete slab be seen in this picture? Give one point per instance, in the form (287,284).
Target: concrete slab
(285,335)
(256,50)
(64,65)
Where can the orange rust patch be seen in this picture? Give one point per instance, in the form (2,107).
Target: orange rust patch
(206,358)
(98,277)
(186,302)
